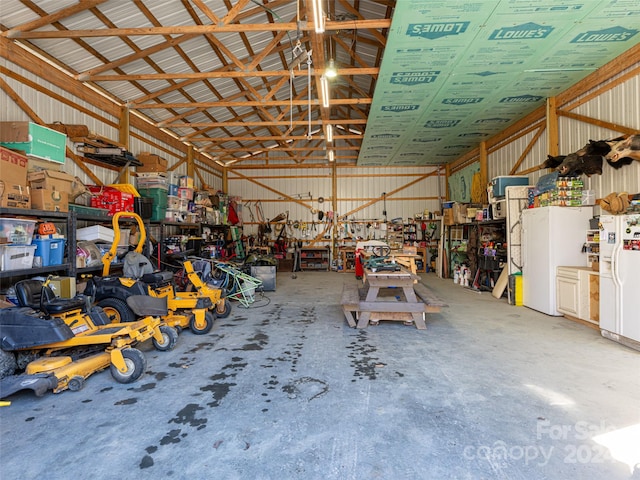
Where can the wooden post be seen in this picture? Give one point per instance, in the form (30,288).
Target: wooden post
(447,173)
(225,180)
(552,127)
(190,162)
(125,176)
(483,171)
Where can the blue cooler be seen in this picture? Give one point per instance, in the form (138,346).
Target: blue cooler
(56,251)
(51,250)
(43,250)
(499,184)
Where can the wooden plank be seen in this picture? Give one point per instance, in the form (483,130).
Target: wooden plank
(350,295)
(428,296)
(350,300)
(397,316)
(391,307)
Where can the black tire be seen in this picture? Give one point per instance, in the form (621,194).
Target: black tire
(209,318)
(227,310)
(169,339)
(8,363)
(117,310)
(136,366)
(76,383)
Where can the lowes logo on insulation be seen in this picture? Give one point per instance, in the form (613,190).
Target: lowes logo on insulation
(399,108)
(462,101)
(436,30)
(414,78)
(493,120)
(613,34)
(522,99)
(386,135)
(441,123)
(527,31)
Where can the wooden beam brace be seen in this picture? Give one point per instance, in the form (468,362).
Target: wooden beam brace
(599,123)
(527,149)
(250,103)
(203,29)
(15,32)
(227,74)
(342,121)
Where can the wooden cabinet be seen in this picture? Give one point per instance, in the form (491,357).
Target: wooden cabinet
(348,260)
(578,294)
(314,259)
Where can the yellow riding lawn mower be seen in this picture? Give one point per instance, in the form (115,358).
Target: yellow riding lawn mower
(195,310)
(59,342)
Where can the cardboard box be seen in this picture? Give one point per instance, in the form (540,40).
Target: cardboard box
(35,140)
(151,163)
(64,287)
(14,196)
(13,167)
(460,213)
(51,180)
(50,200)
(447,216)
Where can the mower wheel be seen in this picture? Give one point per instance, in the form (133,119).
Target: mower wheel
(76,383)
(169,339)
(209,318)
(227,310)
(8,363)
(136,365)
(117,310)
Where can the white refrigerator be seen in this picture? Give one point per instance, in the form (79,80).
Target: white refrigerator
(551,237)
(620,278)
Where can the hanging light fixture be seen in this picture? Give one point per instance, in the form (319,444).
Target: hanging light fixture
(318,16)
(329,133)
(331,156)
(324,91)
(331,71)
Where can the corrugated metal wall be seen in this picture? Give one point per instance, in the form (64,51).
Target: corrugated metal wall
(620,105)
(360,194)
(51,110)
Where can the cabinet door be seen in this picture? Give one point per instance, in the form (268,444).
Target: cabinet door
(568,295)
(594,297)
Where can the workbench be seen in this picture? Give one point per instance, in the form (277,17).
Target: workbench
(404,305)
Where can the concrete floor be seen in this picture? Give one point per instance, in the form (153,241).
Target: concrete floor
(286,390)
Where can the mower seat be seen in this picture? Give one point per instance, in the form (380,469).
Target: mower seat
(33,294)
(157,278)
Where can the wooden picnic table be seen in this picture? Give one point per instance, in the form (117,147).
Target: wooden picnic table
(409,301)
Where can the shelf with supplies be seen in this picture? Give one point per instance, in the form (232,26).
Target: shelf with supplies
(487,252)
(314,259)
(348,260)
(592,246)
(20,263)
(166,231)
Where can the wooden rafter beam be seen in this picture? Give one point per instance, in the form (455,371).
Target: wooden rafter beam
(228,74)
(258,103)
(340,121)
(265,138)
(52,18)
(370,25)
(278,149)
